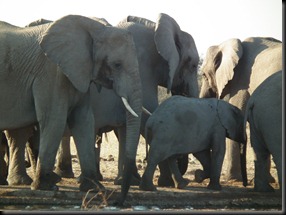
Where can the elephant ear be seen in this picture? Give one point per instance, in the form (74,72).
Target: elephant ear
(68,43)
(165,33)
(231,118)
(226,59)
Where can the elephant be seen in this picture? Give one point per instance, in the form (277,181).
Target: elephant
(231,71)
(3,163)
(167,57)
(264,114)
(182,125)
(45,76)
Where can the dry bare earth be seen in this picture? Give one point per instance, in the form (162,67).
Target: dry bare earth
(233,197)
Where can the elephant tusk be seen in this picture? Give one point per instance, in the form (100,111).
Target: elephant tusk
(127,106)
(146,111)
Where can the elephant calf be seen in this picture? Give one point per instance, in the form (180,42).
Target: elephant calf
(182,125)
(264,113)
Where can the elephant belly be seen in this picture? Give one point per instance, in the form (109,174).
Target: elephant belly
(16,109)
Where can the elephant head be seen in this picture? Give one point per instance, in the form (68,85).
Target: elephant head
(219,64)
(88,51)
(178,49)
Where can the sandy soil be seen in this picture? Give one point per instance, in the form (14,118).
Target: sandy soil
(195,197)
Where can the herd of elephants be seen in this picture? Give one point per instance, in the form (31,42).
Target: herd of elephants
(80,76)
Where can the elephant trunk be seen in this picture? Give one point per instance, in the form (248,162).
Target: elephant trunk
(132,139)
(206,91)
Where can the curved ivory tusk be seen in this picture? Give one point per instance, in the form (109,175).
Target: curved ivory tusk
(146,111)
(127,106)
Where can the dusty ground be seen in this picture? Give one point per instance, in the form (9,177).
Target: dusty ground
(233,197)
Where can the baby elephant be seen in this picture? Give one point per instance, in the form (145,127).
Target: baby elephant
(182,125)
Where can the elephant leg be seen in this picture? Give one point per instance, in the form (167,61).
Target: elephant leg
(277,158)
(97,154)
(32,148)
(3,164)
(204,157)
(183,162)
(232,156)
(217,156)
(165,179)
(261,179)
(121,136)
(147,177)
(81,124)
(63,165)
(154,158)
(271,179)
(179,181)
(98,142)
(233,169)
(31,157)
(17,139)
(45,178)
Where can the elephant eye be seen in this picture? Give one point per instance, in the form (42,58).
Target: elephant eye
(117,65)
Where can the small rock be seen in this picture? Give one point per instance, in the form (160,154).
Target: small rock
(139,208)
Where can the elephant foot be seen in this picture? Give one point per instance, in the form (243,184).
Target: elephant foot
(265,187)
(19,180)
(90,184)
(200,176)
(183,183)
(165,182)
(135,181)
(46,182)
(147,186)
(98,178)
(68,173)
(214,186)
(233,177)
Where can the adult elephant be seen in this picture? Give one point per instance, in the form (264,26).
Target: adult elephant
(45,76)
(264,113)
(232,71)
(167,57)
